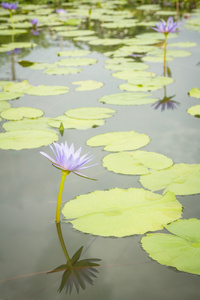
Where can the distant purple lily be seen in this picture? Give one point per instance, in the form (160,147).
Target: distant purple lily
(10,6)
(61,11)
(14,51)
(34,30)
(167,27)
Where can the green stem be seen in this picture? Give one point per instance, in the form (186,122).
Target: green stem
(11,21)
(62,242)
(64,174)
(165,53)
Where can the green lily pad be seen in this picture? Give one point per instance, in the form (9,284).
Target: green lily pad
(158,58)
(12,31)
(90,113)
(77,61)
(10,95)
(195,92)
(182,44)
(74,53)
(178,53)
(18,113)
(28,124)
(75,33)
(4,105)
(45,90)
(16,87)
(127,66)
(26,139)
(62,71)
(12,46)
(136,163)
(119,212)
(149,7)
(42,66)
(119,141)
(85,38)
(194,111)
(181,179)
(106,42)
(128,99)
(88,85)
(132,74)
(180,250)
(72,123)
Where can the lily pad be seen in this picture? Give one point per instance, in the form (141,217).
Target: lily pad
(119,141)
(26,139)
(77,61)
(195,92)
(28,124)
(72,123)
(132,74)
(194,111)
(136,162)
(88,85)
(16,87)
(119,212)
(10,95)
(181,179)
(12,31)
(75,33)
(62,71)
(106,42)
(128,99)
(180,250)
(74,53)
(90,113)
(127,66)
(182,44)
(12,46)
(18,113)
(4,105)
(45,90)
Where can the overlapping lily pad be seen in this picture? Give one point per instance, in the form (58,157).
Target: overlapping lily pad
(119,141)
(10,95)
(181,249)
(128,99)
(18,113)
(136,162)
(181,179)
(119,212)
(90,113)
(88,85)
(26,139)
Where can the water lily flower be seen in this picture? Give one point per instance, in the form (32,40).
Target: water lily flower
(67,160)
(10,6)
(34,29)
(61,11)
(167,27)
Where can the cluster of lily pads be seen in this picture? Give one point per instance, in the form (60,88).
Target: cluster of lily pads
(116,212)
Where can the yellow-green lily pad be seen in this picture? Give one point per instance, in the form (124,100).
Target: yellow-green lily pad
(73,53)
(88,85)
(90,113)
(10,95)
(132,74)
(195,92)
(136,162)
(18,113)
(75,33)
(127,66)
(28,124)
(181,179)
(128,99)
(119,212)
(119,141)
(4,105)
(106,42)
(79,61)
(12,31)
(62,71)
(180,250)
(26,139)
(16,87)
(194,111)
(45,90)
(182,44)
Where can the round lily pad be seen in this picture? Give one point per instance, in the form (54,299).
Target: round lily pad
(127,66)
(26,139)
(72,123)
(18,113)
(10,95)
(74,53)
(182,44)
(128,99)
(180,250)
(4,105)
(45,90)
(28,124)
(88,85)
(119,141)
(181,179)
(75,33)
(194,111)
(90,113)
(12,31)
(16,87)
(136,162)
(132,74)
(105,42)
(195,92)
(62,71)
(119,212)
(80,61)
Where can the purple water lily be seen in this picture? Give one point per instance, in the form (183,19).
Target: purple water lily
(66,159)
(34,30)
(61,11)
(166,27)
(10,6)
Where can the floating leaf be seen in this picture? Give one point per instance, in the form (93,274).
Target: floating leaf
(77,61)
(181,179)
(181,249)
(26,139)
(119,212)
(88,85)
(119,141)
(4,105)
(28,124)
(16,87)
(62,71)
(127,66)
(25,63)
(194,111)
(10,95)
(158,58)
(106,42)
(12,46)
(132,74)
(195,92)
(70,123)
(18,113)
(41,66)
(75,33)
(74,53)
(12,31)
(90,113)
(136,163)
(45,90)
(182,45)
(128,99)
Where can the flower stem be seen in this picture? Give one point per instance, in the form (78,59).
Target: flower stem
(62,242)
(165,52)
(64,174)
(11,21)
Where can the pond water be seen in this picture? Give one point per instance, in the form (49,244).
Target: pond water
(31,243)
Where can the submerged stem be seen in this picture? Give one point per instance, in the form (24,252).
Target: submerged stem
(64,174)
(165,53)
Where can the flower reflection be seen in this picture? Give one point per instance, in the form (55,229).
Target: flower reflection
(9,6)
(166,103)
(61,11)
(76,272)
(34,23)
